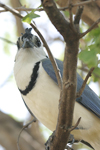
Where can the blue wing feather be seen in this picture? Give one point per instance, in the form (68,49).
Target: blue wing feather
(88,98)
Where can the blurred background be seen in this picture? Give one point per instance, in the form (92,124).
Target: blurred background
(13,113)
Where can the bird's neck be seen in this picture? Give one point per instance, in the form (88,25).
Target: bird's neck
(29,56)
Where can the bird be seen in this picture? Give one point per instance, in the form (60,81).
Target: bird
(37,83)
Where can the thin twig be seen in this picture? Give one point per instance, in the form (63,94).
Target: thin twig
(15,12)
(77,123)
(84,3)
(78,94)
(8,41)
(70,11)
(86,143)
(24,9)
(70,5)
(41,9)
(87,70)
(91,28)
(77,19)
(26,126)
(78,4)
(55,66)
(78,14)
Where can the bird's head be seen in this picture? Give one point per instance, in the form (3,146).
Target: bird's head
(30,43)
(28,40)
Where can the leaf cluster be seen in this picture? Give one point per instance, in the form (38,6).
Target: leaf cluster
(91,53)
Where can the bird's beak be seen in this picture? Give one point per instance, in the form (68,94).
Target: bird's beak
(27,43)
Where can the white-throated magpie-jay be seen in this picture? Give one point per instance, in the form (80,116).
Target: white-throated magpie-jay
(37,83)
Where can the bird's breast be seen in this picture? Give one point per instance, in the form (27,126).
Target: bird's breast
(43,99)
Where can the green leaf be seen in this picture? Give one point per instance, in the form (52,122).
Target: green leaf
(89,57)
(30,16)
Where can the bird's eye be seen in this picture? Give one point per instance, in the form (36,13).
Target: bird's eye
(37,42)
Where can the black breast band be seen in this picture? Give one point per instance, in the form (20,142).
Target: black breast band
(32,82)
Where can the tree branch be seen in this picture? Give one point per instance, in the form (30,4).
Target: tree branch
(78,15)
(70,12)
(68,94)
(41,9)
(71,15)
(84,3)
(24,9)
(77,123)
(9,129)
(78,94)
(91,28)
(87,70)
(26,126)
(15,12)
(8,41)
(77,4)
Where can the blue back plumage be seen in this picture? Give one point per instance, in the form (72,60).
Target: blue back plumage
(88,98)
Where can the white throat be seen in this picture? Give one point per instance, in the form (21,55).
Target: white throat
(25,61)
(30,54)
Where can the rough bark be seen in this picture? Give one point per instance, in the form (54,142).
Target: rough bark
(70,33)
